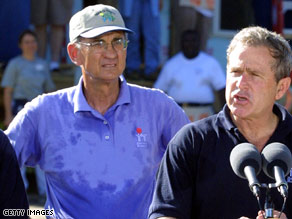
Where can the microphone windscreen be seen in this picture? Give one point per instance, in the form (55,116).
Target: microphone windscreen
(276,154)
(245,154)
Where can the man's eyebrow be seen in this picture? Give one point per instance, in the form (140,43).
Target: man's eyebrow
(235,68)
(253,70)
(96,38)
(239,68)
(100,38)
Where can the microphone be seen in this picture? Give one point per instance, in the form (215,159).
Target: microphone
(246,163)
(277,162)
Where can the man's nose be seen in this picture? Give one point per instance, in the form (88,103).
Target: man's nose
(109,50)
(243,80)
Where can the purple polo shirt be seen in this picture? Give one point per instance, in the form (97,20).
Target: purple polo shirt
(97,166)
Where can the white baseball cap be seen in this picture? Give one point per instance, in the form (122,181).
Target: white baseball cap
(95,20)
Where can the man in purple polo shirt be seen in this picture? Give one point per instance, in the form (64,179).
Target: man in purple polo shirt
(100,142)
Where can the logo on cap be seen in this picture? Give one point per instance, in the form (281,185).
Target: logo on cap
(106,15)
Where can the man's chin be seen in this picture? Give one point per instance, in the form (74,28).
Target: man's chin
(239,112)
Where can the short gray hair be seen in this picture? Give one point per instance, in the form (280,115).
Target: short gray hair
(279,48)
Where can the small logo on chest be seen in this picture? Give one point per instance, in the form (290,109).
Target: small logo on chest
(141,138)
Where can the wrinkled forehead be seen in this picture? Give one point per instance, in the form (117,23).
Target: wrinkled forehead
(112,34)
(252,58)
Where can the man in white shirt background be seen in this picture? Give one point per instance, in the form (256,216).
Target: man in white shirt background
(192,77)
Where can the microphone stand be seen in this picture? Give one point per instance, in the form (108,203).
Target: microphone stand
(269,205)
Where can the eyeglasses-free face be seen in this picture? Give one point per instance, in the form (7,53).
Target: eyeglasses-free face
(100,46)
(28,44)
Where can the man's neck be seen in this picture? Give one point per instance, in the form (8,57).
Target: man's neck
(257,131)
(101,95)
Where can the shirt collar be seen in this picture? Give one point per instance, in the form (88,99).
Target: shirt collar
(224,120)
(285,120)
(80,102)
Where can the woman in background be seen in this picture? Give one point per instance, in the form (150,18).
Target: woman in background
(25,77)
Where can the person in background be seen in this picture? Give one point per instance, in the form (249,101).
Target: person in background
(12,192)
(191,77)
(53,14)
(100,142)
(191,14)
(143,17)
(114,3)
(25,77)
(195,179)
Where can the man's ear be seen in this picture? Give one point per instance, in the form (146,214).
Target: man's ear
(282,87)
(74,52)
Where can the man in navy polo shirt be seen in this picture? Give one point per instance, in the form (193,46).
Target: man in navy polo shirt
(99,143)
(195,179)
(12,191)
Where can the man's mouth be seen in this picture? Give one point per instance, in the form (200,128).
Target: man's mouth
(109,65)
(240,99)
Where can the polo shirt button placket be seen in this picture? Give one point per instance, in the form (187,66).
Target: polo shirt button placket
(107,136)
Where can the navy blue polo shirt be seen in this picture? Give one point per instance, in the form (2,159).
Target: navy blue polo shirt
(12,191)
(195,179)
